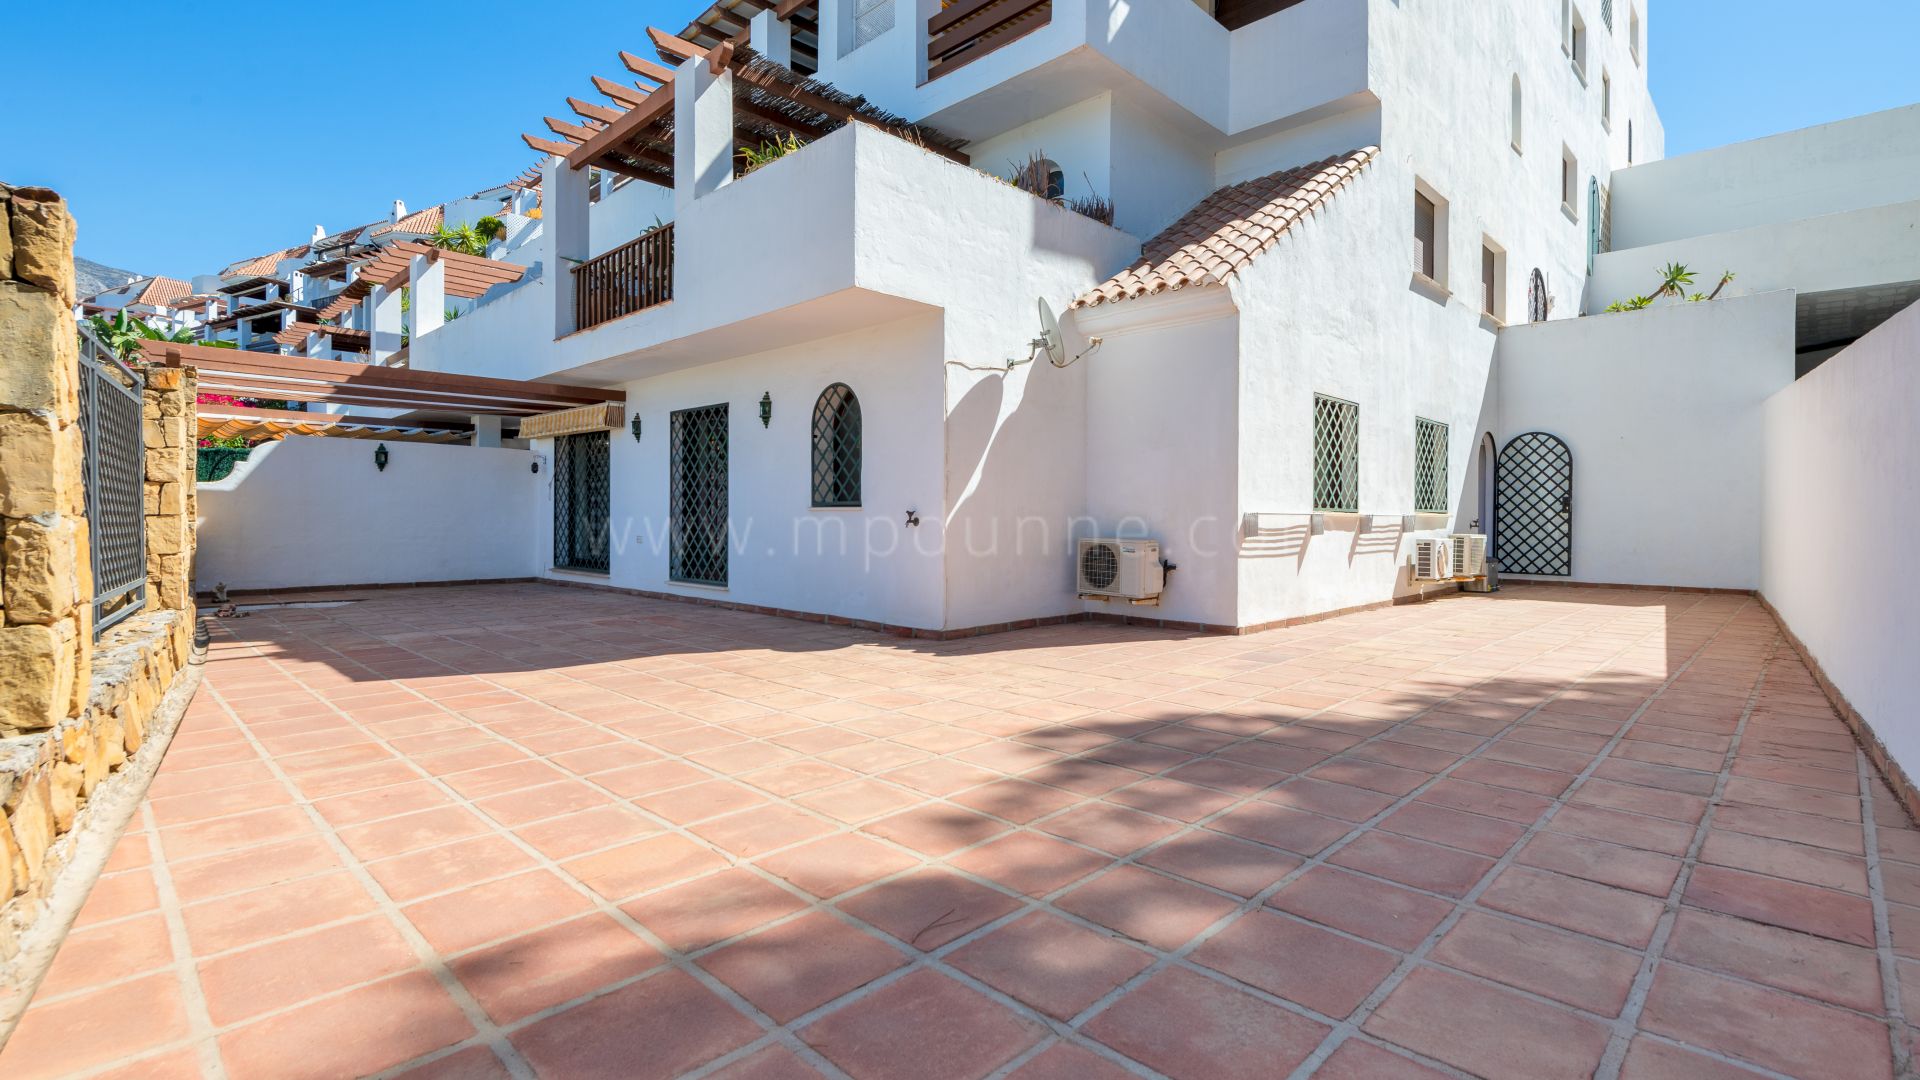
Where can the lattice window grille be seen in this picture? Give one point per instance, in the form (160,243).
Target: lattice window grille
(697,482)
(581,498)
(1336,455)
(1534,506)
(1429,466)
(836,447)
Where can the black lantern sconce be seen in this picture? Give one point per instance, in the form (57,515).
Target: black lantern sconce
(766,409)
(636,427)
(380,457)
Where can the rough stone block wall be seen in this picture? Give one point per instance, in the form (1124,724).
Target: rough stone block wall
(45,582)
(72,711)
(170,435)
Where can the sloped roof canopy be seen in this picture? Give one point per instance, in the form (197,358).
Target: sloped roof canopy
(255,425)
(293,378)
(468,276)
(633,136)
(728,20)
(1229,229)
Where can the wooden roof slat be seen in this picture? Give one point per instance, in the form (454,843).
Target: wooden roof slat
(625,95)
(673,48)
(576,133)
(640,65)
(632,122)
(594,112)
(548,146)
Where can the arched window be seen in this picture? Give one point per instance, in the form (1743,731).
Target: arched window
(1517,117)
(836,447)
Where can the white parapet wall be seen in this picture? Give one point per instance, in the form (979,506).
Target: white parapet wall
(310,511)
(1842,510)
(1663,412)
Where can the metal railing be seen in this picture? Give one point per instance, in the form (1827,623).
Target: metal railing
(971,29)
(636,275)
(115,470)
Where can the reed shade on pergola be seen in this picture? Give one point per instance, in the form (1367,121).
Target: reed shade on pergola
(633,136)
(238,373)
(344,339)
(468,276)
(268,425)
(727,20)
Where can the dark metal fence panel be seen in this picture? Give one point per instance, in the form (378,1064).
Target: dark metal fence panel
(697,497)
(115,475)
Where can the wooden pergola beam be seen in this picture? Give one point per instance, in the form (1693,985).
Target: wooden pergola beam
(632,122)
(669,46)
(624,95)
(640,65)
(207,358)
(594,112)
(249,412)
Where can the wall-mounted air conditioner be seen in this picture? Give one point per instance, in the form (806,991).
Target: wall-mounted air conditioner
(1469,555)
(1119,570)
(1433,559)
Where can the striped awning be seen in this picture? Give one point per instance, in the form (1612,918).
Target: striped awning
(602,417)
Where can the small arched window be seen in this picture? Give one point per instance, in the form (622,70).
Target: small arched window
(1517,120)
(836,447)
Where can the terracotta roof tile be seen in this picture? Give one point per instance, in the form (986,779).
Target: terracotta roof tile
(162,291)
(263,265)
(1228,229)
(420,222)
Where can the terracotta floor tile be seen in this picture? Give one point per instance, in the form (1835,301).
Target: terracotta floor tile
(1067,1061)
(832,865)
(498,909)
(762,829)
(588,830)
(646,864)
(1277,826)
(1626,918)
(796,967)
(97,1028)
(1340,801)
(1029,863)
(1485,1031)
(936,829)
(411,832)
(1324,971)
(1222,862)
(1470,832)
(1358,1060)
(660,1027)
(1798,1037)
(523,975)
(1796,862)
(1192,1028)
(773,1063)
(929,908)
(1806,908)
(244,918)
(857,801)
(1801,963)
(697,802)
(1413,862)
(1374,910)
(1051,964)
(1541,961)
(1116,830)
(450,866)
(118,950)
(712,908)
(290,970)
(1020,801)
(1609,864)
(1650,1059)
(1146,906)
(926,1026)
(392,1021)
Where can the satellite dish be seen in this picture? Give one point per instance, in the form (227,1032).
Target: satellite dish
(1049,339)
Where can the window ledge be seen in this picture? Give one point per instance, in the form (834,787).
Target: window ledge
(1572,214)
(837,508)
(1580,73)
(674,583)
(1490,321)
(1430,288)
(578,572)
(1516,148)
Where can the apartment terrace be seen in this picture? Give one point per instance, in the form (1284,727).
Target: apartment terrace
(532,830)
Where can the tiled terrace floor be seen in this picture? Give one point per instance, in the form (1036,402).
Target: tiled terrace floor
(525,830)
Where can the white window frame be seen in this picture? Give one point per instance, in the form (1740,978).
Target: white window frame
(1606,99)
(1578,44)
(1569,183)
(1439,277)
(1517,119)
(1493,301)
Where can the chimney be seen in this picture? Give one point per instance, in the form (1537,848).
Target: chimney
(319,234)
(399,211)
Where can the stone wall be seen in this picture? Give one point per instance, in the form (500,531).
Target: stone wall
(170,435)
(45,581)
(72,710)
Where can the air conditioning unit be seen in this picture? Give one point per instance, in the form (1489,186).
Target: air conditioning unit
(1119,570)
(1433,559)
(1469,555)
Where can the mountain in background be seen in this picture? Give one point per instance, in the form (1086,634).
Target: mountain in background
(91,277)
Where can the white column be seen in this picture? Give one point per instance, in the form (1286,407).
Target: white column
(316,344)
(486,430)
(772,38)
(703,142)
(427,277)
(384,322)
(565,220)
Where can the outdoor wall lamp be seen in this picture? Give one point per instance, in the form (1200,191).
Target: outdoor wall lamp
(380,457)
(636,427)
(766,409)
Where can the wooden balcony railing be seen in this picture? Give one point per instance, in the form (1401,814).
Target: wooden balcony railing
(638,274)
(971,29)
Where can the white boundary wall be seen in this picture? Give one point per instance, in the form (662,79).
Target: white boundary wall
(1662,410)
(1842,510)
(315,511)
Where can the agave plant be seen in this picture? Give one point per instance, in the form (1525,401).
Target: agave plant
(770,151)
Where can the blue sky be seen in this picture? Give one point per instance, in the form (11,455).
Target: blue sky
(186,137)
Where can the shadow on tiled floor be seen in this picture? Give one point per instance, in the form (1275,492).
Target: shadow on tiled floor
(521,829)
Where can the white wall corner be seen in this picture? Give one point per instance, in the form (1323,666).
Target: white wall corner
(703,143)
(772,38)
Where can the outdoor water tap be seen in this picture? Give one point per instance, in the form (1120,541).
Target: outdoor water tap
(913,517)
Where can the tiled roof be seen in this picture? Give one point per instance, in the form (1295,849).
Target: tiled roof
(420,222)
(163,290)
(264,265)
(1229,229)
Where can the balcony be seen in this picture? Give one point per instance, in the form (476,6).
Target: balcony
(972,29)
(632,277)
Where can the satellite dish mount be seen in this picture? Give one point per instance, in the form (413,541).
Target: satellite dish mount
(1052,344)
